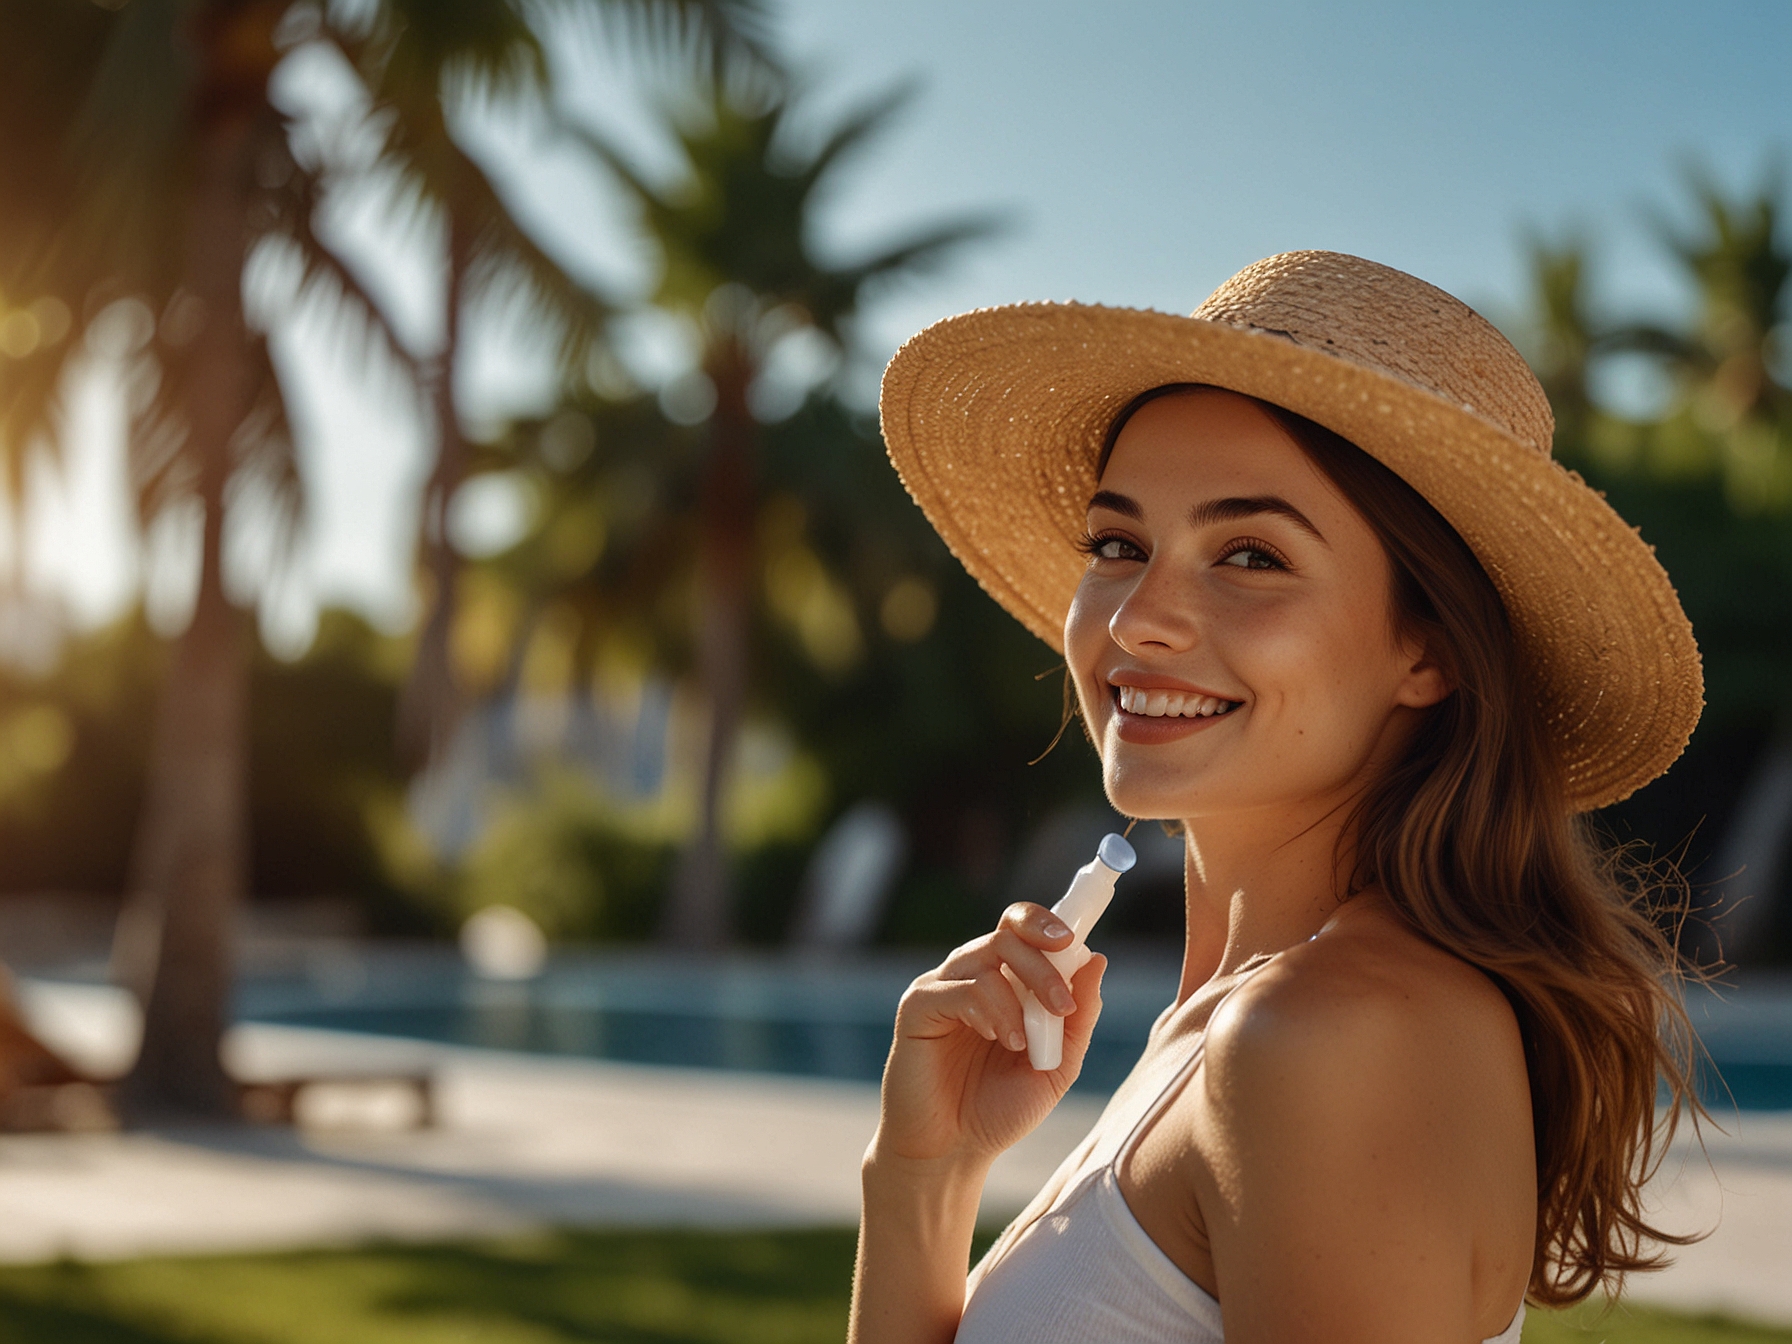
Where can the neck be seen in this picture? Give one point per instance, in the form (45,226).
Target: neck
(1257,884)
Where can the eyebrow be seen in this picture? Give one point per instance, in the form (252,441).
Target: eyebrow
(1115,502)
(1229,509)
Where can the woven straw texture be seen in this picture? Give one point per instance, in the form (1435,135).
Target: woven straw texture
(994,419)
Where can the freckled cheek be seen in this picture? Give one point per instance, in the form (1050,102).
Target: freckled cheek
(1305,670)
(1318,686)
(1282,654)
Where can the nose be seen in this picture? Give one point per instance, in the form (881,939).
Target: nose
(1159,615)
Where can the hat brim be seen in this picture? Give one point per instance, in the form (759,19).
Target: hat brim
(994,420)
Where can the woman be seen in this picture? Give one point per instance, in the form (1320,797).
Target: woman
(1328,605)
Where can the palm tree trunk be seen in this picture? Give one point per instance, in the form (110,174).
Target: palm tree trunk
(429,706)
(698,915)
(189,859)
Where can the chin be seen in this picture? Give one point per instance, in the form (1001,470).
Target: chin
(1155,784)
(1153,795)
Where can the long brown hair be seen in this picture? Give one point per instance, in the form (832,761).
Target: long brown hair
(1471,839)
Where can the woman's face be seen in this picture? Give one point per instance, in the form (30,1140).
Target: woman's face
(1231,641)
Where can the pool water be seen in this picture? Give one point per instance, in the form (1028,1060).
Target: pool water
(852,1050)
(819,1019)
(811,1018)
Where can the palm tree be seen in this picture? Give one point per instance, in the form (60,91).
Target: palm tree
(1732,415)
(1710,481)
(1565,338)
(413,56)
(162,168)
(734,235)
(147,166)
(1735,415)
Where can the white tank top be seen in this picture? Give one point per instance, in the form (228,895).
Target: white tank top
(1077,1268)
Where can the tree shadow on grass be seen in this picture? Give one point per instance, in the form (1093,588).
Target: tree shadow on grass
(621,1287)
(65,1303)
(658,1287)
(25,1322)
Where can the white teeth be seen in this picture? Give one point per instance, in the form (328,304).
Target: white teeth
(1162,704)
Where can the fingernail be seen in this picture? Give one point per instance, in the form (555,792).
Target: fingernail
(1016,1041)
(1053,929)
(1061,999)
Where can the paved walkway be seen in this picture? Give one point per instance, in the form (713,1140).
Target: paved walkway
(1739,1189)
(526,1142)
(522,1141)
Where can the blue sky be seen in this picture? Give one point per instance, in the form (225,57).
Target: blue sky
(1141,151)
(1148,150)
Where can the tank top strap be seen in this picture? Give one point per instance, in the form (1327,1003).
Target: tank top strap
(1097,1153)
(1179,1079)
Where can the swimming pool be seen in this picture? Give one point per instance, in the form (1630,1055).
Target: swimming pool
(814,1018)
(808,1017)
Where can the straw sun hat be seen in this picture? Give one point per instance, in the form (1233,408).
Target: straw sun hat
(995,418)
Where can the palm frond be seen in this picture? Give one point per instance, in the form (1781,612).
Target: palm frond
(616,162)
(717,40)
(30,396)
(860,125)
(266,459)
(1643,338)
(48,62)
(132,153)
(839,291)
(161,471)
(91,160)
(1733,251)
(326,280)
(504,252)
(406,49)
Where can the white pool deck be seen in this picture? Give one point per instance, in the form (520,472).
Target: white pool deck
(525,1142)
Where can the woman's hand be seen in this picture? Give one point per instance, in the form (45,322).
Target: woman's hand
(957,1091)
(958,1085)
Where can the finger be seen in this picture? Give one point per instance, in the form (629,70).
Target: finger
(1086,985)
(1036,926)
(1032,925)
(1032,969)
(1080,1025)
(977,1017)
(1002,1005)
(934,1008)
(970,960)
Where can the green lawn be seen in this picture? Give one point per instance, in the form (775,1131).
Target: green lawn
(1642,1325)
(615,1287)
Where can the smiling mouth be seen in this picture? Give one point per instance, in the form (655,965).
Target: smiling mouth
(1163,704)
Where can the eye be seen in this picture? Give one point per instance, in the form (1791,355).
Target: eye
(1247,554)
(1109,546)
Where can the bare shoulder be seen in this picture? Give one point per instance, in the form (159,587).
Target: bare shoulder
(1364,1110)
(1370,1012)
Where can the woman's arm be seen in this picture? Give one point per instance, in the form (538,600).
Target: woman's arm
(958,1090)
(915,1228)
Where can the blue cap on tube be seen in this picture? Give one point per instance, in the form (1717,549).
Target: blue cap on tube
(1116,853)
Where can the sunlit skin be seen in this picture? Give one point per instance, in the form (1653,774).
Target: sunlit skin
(1353,1160)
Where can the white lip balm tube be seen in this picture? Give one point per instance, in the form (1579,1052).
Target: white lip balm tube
(1090,891)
